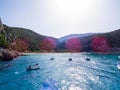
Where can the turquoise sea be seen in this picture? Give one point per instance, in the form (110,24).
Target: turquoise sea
(100,73)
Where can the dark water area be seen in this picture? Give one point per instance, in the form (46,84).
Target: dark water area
(98,73)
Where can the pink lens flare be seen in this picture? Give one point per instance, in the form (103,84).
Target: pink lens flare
(73,45)
(100,44)
(48,43)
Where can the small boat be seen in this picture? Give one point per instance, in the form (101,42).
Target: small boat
(118,57)
(118,66)
(52,58)
(35,67)
(32,68)
(70,59)
(87,59)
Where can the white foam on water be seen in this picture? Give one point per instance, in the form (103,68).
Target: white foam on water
(16,73)
(74,87)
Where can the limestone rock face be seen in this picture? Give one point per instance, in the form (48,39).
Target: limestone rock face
(1,25)
(6,55)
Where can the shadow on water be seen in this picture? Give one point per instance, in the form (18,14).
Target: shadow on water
(5,65)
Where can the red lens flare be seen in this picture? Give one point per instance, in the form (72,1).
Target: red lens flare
(73,45)
(100,44)
(48,44)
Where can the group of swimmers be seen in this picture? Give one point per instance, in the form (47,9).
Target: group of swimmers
(36,66)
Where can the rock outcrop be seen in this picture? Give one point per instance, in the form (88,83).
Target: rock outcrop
(7,55)
(1,25)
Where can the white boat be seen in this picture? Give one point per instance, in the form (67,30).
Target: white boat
(36,67)
(119,57)
(32,68)
(118,66)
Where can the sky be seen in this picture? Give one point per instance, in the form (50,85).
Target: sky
(58,18)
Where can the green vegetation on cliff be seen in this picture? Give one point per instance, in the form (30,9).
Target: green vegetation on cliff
(32,38)
(3,41)
(21,39)
(113,38)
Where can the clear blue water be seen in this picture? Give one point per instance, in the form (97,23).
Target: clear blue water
(100,73)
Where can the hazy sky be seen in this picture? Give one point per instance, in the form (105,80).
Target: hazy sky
(61,17)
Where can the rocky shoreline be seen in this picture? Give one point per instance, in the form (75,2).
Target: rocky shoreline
(6,55)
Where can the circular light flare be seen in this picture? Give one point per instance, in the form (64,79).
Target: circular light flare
(100,44)
(48,44)
(73,45)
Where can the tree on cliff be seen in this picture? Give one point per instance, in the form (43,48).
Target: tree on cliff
(3,42)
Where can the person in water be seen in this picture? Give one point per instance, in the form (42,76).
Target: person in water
(29,67)
(33,67)
(36,66)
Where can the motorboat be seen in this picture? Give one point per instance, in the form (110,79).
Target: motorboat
(119,57)
(52,58)
(70,59)
(32,68)
(118,66)
(87,59)
(36,67)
